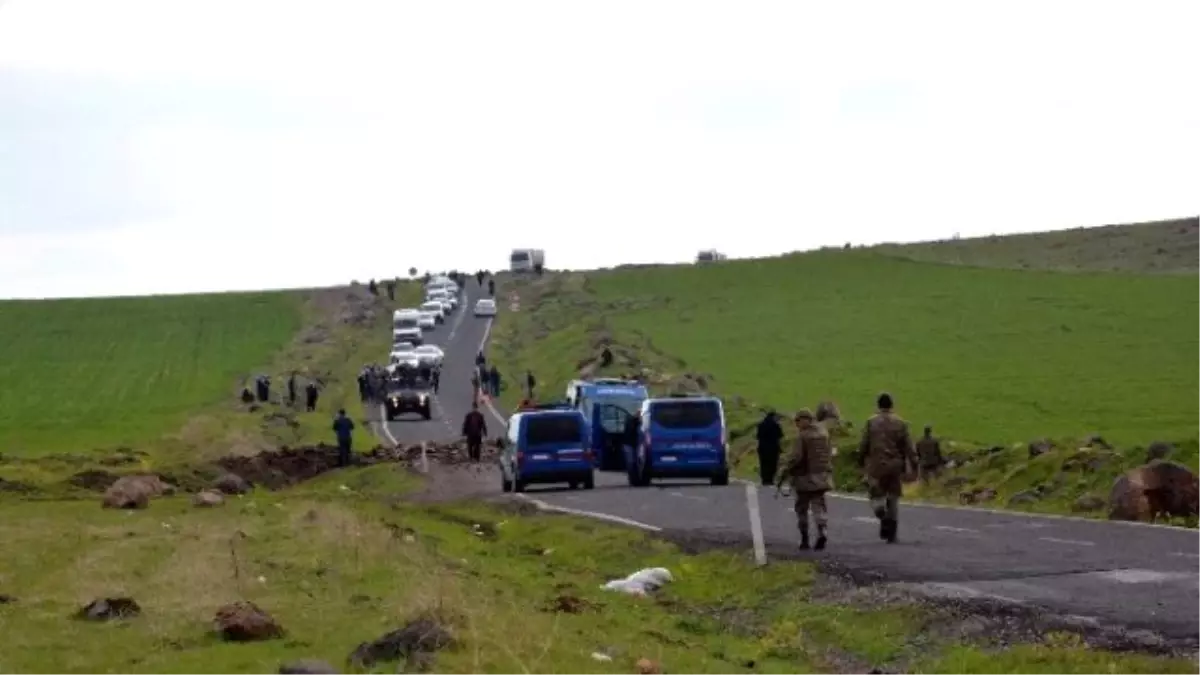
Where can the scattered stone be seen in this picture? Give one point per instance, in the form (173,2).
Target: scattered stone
(107,609)
(1158,450)
(1039,447)
(1026,497)
(306,667)
(648,667)
(976,495)
(415,643)
(1088,503)
(207,499)
(1157,489)
(134,492)
(231,484)
(245,622)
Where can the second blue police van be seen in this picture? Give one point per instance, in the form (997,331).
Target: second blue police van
(680,437)
(608,405)
(546,444)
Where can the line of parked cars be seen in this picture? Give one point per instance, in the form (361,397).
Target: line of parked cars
(414,364)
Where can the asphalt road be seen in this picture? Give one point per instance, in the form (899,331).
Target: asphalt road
(1130,575)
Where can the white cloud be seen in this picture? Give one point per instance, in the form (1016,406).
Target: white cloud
(605,133)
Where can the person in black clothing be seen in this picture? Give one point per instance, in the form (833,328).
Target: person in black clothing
(480,359)
(263,385)
(474,428)
(343,427)
(530,382)
(769,435)
(494,380)
(435,378)
(310,396)
(363,385)
(291,385)
(492,287)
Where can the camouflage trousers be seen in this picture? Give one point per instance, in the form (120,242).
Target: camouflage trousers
(884,495)
(811,501)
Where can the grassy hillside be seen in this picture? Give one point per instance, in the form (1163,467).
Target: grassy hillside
(84,374)
(1167,246)
(336,565)
(989,357)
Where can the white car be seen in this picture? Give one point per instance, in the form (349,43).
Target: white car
(436,307)
(412,335)
(398,357)
(485,307)
(442,297)
(428,320)
(404,347)
(430,355)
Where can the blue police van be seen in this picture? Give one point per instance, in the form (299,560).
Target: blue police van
(608,405)
(546,444)
(680,437)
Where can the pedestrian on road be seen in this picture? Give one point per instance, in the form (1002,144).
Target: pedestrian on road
(886,454)
(929,453)
(474,428)
(494,380)
(492,288)
(436,379)
(480,359)
(310,396)
(343,428)
(475,387)
(769,435)
(809,469)
(530,383)
(291,388)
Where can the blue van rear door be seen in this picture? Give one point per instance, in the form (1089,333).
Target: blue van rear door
(554,441)
(686,431)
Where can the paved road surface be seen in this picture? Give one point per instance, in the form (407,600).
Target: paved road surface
(1134,575)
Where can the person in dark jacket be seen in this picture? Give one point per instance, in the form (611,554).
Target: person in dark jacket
(492,287)
(263,385)
(494,380)
(291,389)
(343,428)
(480,359)
(769,435)
(474,428)
(363,385)
(435,378)
(310,396)
(530,382)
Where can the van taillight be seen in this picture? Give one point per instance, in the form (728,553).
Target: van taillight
(587,455)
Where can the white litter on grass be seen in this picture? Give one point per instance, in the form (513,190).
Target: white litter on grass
(262,580)
(641,582)
(601,656)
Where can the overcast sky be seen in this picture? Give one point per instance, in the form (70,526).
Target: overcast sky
(170,145)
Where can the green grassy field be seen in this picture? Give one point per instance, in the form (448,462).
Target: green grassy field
(339,561)
(1159,247)
(96,373)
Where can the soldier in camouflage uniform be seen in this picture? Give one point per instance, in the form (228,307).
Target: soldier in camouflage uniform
(809,469)
(929,452)
(886,453)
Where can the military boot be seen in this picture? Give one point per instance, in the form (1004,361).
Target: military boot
(891,526)
(804,539)
(820,546)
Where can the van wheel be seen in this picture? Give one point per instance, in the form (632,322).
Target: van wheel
(589,483)
(721,478)
(426,412)
(518,485)
(506,485)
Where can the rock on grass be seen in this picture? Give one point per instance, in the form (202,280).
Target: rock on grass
(245,622)
(306,667)
(107,609)
(415,643)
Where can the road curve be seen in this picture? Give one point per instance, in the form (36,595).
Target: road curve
(1131,575)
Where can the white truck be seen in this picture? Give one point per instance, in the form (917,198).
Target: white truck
(527,259)
(709,256)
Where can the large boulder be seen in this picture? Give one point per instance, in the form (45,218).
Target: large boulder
(1157,489)
(245,622)
(134,492)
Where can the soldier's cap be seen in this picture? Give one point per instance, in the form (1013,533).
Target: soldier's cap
(804,414)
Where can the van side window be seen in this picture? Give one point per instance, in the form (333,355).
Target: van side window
(514,427)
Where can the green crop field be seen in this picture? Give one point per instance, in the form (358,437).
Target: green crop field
(84,374)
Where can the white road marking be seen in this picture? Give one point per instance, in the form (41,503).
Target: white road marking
(756,533)
(864,519)
(487,402)
(384,425)
(947,528)
(1138,576)
(1072,542)
(1187,555)
(589,514)
(462,311)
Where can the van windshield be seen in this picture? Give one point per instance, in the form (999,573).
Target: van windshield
(547,429)
(405,322)
(685,414)
(520,257)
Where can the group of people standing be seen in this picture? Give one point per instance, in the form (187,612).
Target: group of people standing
(262,391)
(886,454)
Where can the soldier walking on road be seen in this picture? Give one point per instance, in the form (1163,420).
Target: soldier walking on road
(474,428)
(769,435)
(809,469)
(343,428)
(929,453)
(310,396)
(886,454)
